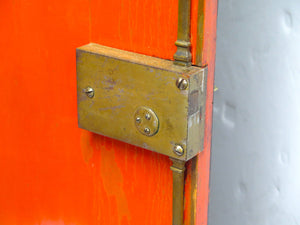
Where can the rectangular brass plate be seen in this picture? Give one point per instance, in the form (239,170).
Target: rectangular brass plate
(123,82)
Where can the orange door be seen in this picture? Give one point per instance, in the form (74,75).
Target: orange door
(52,172)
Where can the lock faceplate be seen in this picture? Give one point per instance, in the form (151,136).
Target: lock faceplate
(141,100)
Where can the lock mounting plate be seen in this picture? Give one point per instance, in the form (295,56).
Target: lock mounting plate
(123,94)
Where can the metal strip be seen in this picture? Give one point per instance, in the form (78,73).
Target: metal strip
(200,35)
(178,169)
(183,55)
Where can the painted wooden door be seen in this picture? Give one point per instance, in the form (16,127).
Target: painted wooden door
(52,172)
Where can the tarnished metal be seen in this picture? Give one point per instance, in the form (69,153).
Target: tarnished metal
(183,55)
(178,169)
(123,82)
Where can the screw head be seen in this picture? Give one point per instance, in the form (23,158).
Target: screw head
(148,116)
(138,119)
(178,150)
(147,130)
(89,92)
(182,83)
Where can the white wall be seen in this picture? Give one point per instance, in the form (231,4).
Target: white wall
(255,164)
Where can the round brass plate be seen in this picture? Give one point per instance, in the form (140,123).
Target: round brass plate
(146,121)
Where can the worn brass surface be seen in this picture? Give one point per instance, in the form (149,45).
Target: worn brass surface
(122,82)
(178,169)
(183,55)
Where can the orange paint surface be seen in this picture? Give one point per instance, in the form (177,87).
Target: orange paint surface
(52,172)
(143,26)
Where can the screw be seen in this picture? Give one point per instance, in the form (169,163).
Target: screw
(147,130)
(89,92)
(138,119)
(181,83)
(148,116)
(178,150)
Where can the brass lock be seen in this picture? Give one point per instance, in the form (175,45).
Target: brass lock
(141,100)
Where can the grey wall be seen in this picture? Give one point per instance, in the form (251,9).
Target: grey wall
(255,164)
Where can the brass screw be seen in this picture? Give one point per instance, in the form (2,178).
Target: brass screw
(178,150)
(89,92)
(138,119)
(181,83)
(148,116)
(147,130)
